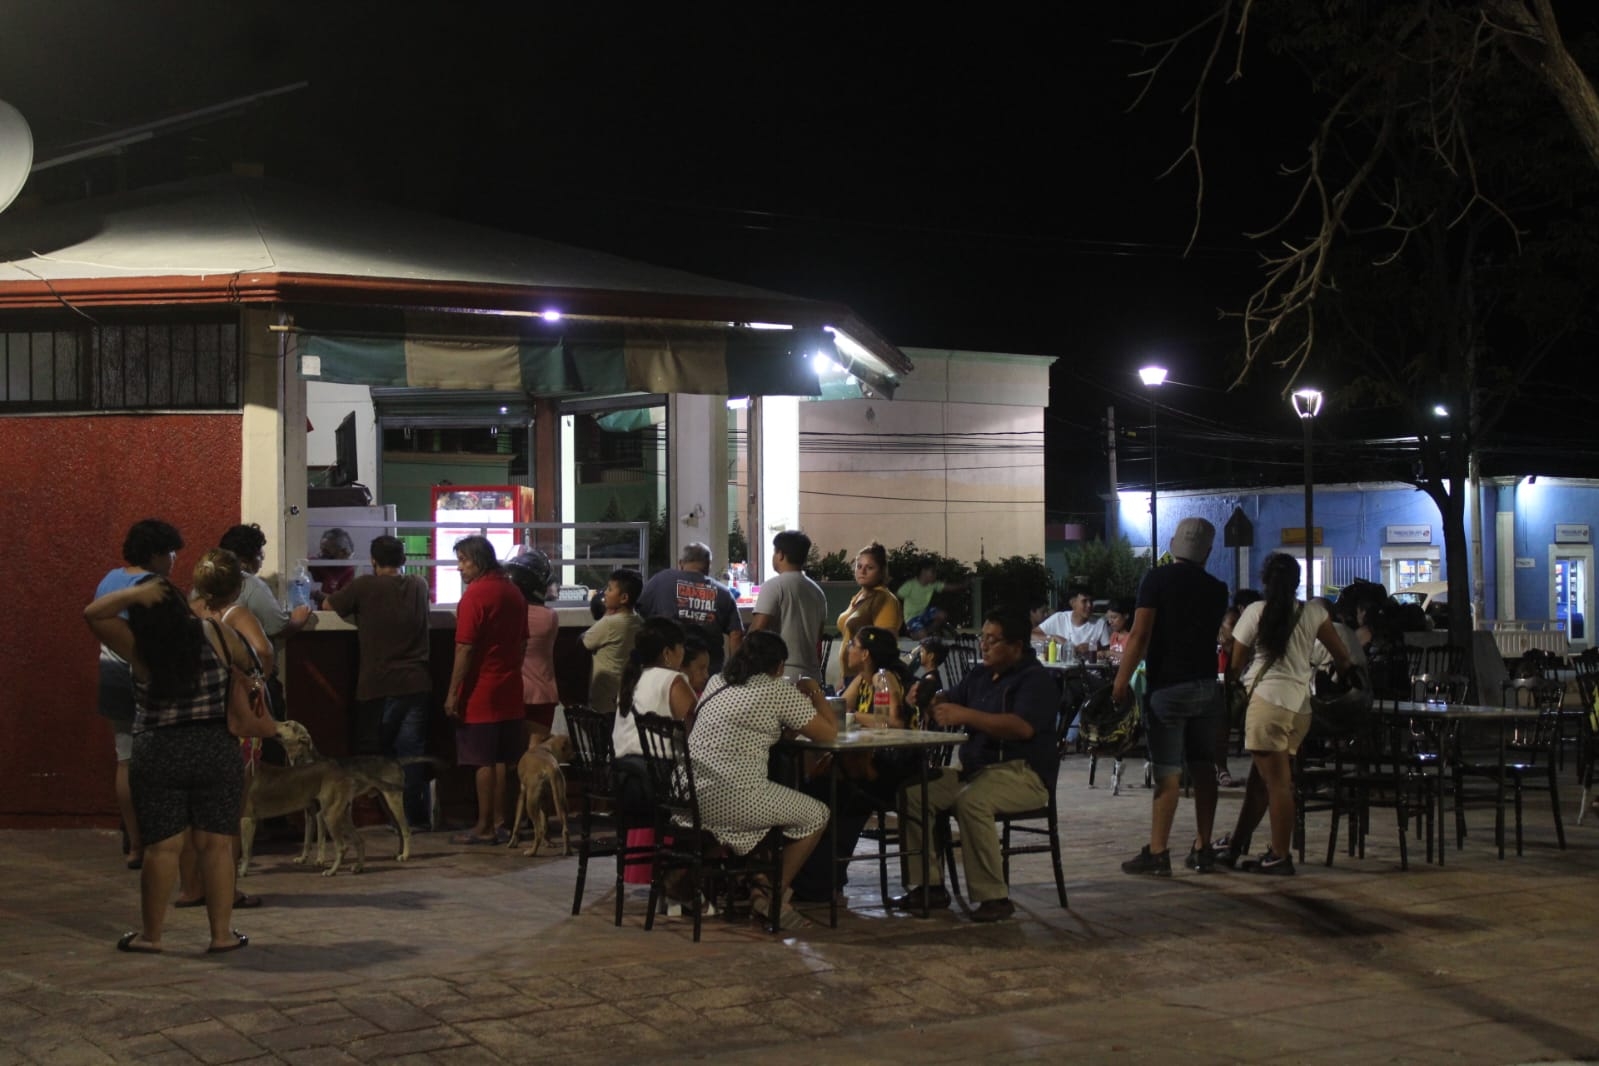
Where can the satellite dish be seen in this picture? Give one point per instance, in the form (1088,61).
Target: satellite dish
(16,153)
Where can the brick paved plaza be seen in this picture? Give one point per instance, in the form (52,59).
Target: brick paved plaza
(469,955)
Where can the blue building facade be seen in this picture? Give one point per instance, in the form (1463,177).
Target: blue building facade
(1537,543)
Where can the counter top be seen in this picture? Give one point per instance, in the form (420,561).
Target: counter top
(444,618)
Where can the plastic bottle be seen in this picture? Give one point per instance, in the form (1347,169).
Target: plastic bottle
(300,587)
(882,699)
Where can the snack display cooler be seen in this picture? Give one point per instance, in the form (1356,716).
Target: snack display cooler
(472,505)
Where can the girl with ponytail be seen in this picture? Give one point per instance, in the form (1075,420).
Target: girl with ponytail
(653,682)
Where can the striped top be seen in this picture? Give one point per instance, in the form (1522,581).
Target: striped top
(207,703)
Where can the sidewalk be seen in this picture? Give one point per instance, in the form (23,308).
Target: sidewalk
(471,955)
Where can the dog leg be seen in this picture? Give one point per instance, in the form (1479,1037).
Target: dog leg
(246,843)
(516,822)
(305,847)
(558,790)
(395,802)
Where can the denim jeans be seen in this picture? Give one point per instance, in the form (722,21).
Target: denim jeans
(1182,724)
(405,730)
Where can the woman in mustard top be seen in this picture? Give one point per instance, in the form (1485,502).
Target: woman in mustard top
(873,605)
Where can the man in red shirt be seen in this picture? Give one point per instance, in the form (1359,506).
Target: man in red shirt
(485,695)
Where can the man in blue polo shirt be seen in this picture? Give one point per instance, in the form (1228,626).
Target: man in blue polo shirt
(1175,621)
(1007,706)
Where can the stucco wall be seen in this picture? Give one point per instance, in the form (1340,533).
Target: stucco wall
(73,487)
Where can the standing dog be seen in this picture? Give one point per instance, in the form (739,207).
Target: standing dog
(274,791)
(540,772)
(368,774)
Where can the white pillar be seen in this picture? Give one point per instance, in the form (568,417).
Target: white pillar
(272,481)
(568,482)
(780,462)
(696,473)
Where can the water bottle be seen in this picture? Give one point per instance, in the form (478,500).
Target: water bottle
(882,699)
(300,587)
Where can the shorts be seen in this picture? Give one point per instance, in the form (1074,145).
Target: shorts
(490,743)
(1182,725)
(540,714)
(1271,727)
(123,737)
(186,776)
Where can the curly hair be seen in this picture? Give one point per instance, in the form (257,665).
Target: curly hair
(149,537)
(247,542)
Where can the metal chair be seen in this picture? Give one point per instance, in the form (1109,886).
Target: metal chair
(1516,765)
(681,841)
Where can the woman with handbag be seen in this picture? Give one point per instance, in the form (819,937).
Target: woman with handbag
(1272,644)
(192,699)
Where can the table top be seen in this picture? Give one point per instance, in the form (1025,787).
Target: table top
(1099,667)
(1462,711)
(873,739)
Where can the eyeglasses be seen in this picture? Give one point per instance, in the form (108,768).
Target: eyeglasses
(985,640)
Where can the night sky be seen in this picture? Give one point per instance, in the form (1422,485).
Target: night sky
(962,182)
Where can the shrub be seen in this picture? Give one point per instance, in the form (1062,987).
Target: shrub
(1111,570)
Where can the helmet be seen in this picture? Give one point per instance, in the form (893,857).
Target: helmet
(1340,707)
(530,572)
(1105,726)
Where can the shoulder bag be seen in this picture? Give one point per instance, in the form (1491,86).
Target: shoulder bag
(249,712)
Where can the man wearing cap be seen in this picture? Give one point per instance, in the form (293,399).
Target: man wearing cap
(1175,620)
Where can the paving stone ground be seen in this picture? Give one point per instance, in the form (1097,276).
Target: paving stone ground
(471,955)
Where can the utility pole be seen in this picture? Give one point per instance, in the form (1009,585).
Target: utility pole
(1113,527)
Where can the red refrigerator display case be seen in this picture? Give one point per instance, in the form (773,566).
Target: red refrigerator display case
(472,505)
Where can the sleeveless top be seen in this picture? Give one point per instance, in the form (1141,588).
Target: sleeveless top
(207,702)
(652,695)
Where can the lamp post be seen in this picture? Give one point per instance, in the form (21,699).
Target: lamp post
(1153,377)
(1307,405)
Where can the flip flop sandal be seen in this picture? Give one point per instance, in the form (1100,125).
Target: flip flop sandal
(239,941)
(240,902)
(126,943)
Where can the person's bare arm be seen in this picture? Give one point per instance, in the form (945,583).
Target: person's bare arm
(1327,633)
(762,621)
(247,626)
(462,667)
(1133,653)
(821,727)
(105,622)
(681,699)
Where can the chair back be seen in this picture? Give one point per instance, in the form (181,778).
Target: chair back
(592,749)
(671,772)
(962,658)
(1435,660)
(1433,688)
(1544,735)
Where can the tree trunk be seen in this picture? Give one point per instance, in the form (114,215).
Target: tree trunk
(1537,42)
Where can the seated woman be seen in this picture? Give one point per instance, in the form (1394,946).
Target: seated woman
(743,713)
(873,779)
(186,775)
(652,683)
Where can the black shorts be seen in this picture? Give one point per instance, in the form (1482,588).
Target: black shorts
(186,777)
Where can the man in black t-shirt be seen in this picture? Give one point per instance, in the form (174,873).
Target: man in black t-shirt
(1175,620)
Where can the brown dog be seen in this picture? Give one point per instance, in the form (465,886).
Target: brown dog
(540,773)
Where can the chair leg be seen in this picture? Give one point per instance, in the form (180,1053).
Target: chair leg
(1004,850)
(621,868)
(882,852)
(1554,804)
(582,859)
(1054,855)
(1093,764)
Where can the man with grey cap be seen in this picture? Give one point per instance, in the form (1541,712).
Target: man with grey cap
(1175,620)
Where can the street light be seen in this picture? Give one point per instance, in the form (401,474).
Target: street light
(1153,377)
(1307,405)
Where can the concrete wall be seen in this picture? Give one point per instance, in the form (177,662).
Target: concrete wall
(954,462)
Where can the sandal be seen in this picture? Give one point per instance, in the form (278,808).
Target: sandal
(239,941)
(126,943)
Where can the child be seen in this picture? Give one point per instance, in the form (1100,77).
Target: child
(697,665)
(653,683)
(610,640)
(1119,621)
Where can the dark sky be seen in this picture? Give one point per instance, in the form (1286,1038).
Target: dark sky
(969,179)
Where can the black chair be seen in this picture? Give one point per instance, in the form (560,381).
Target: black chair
(1586,667)
(603,824)
(1525,762)
(682,842)
(1017,823)
(1435,659)
(886,834)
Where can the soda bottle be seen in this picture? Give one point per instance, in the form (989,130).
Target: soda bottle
(882,698)
(300,587)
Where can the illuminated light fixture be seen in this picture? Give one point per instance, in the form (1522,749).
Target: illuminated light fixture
(505,410)
(738,403)
(768,325)
(1307,402)
(1153,375)
(550,316)
(822,364)
(1440,411)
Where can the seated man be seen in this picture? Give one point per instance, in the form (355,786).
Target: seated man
(1007,707)
(1082,634)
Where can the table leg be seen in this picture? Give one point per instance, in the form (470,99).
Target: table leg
(832,836)
(1499,794)
(927,840)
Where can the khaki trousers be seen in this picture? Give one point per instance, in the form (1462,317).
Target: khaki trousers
(1004,787)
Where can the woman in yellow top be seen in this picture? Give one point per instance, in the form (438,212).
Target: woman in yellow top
(873,605)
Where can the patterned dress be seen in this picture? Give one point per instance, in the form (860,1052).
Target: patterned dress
(735,727)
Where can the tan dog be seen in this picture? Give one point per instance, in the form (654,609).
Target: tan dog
(274,791)
(540,772)
(370,775)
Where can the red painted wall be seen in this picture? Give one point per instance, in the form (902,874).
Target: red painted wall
(71,488)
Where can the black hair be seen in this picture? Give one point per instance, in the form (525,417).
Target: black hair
(1244,597)
(795,546)
(629,583)
(247,542)
(655,637)
(1280,576)
(693,648)
(341,540)
(937,649)
(1014,626)
(761,653)
(478,549)
(168,636)
(882,647)
(148,538)
(388,551)
(1074,591)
